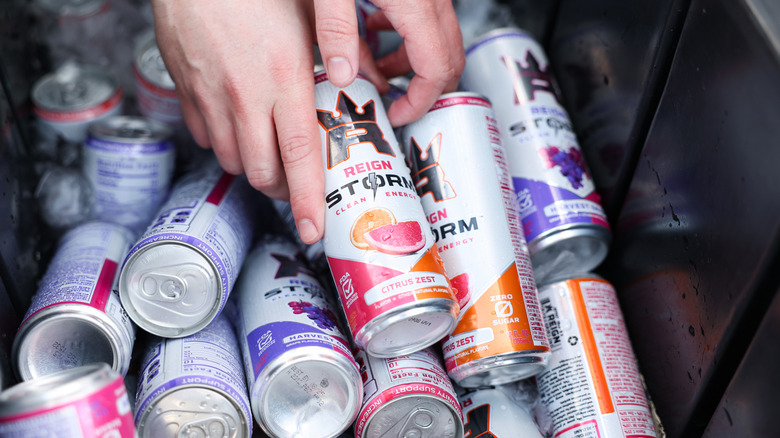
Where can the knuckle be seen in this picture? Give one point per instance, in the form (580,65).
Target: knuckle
(297,148)
(335,28)
(262,178)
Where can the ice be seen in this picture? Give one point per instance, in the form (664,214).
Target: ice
(64,197)
(477,17)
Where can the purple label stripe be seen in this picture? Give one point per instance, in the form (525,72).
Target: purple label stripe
(130,147)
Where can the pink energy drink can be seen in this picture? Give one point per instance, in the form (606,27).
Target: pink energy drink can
(155,88)
(380,250)
(592,385)
(565,226)
(76,317)
(459,168)
(83,402)
(407,396)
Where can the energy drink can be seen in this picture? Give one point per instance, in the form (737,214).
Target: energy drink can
(489,412)
(69,99)
(407,396)
(381,253)
(82,402)
(592,385)
(129,163)
(178,276)
(155,89)
(460,172)
(194,386)
(76,317)
(302,376)
(565,226)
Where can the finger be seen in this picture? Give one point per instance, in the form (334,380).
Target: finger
(223,138)
(378,21)
(299,145)
(337,38)
(370,70)
(260,154)
(194,120)
(451,29)
(395,64)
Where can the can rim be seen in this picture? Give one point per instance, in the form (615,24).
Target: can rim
(530,359)
(497,33)
(157,329)
(458,430)
(74,311)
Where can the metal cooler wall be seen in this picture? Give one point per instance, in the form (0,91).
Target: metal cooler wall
(687,163)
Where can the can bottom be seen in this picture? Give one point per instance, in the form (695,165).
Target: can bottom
(408,328)
(56,342)
(194,411)
(308,391)
(578,248)
(421,416)
(500,369)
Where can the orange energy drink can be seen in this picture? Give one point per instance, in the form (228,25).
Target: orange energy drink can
(381,252)
(592,386)
(460,172)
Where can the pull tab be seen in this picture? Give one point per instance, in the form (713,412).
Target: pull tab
(208,427)
(184,285)
(418,424)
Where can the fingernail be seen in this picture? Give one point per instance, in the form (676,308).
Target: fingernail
(307,231)
(339,70)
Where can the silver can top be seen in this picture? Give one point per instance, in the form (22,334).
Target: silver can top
(61,387)
(72,8)
(195,411)
(307,392)
(415,416)
(170,289)
(149,62)
(74,87)
(130,129)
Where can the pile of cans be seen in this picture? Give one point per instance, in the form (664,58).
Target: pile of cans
(450,297)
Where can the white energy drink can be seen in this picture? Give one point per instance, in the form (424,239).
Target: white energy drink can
(129,163)
(489,412)
(155,89)
(460,172)
(592,385)
(407,396)
(83,402)
(194,386)
(302,376)
(380,249)
(69,99)
(565,226)
(76,317)
(177,278)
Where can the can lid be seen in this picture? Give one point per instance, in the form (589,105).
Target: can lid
(308,391)
(130,129)
(170,289)
(55,389)
(74,87)
(415,416)
(71,8)
(494,34)
(67,337)
(149,62)
(194,411)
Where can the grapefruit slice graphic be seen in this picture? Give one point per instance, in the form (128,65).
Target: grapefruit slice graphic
(369,220)
(461,285)
(396,239)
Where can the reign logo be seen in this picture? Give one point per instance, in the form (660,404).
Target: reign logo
(529,78)
(290,267)
(426,172)
(478,423)
(350,125)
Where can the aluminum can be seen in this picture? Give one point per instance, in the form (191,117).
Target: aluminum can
(129,163)
(407,396)
(592,386)
(83,402)
(381,253)
(177,278)
(76,317)
(460,172)
(302,376)
(69,99)
(565,226)
(155,89)
(489,412)
(314,253)
(194,386)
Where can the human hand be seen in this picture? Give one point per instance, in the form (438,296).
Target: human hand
(243,73)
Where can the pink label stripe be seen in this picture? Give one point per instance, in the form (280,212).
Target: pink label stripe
(82,115)
(460,100)
(579,425)
(220,189)
(154,89)
(103,287)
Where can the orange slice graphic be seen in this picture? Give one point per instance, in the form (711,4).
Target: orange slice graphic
(369,220)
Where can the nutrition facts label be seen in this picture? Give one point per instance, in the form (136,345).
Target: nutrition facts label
(591,387)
